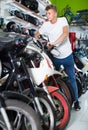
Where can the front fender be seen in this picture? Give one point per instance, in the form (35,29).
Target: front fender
(16,95)
(52,89)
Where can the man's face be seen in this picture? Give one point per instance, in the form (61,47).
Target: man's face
(51,14)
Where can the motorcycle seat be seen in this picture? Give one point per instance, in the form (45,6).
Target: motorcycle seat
(6,42)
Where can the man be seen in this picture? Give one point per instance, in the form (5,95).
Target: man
(57,30)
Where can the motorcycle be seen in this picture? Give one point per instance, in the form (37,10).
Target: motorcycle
(15,77)
(75,19)
(81,61)
(39,72)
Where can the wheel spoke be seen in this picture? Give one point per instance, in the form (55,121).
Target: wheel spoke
(17,121)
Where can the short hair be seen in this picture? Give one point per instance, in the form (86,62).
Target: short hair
(53,7)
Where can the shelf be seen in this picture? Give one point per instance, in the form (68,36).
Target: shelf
(12,5)
(44,2)
(21,22)
(25,9)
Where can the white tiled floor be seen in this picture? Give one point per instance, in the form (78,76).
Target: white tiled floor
(79,119)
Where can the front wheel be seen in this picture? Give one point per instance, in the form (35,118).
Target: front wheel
(65,90)
(58,82)
(21,116)
(63,109)
(49,119)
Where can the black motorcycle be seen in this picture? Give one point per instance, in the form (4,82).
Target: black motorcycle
(15,77)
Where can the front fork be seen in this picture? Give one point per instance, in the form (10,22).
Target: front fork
(4,114)
(48,93)
(39,106)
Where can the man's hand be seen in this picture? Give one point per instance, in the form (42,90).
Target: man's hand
(49,46)
(37,34)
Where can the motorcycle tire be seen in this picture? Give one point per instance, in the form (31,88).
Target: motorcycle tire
(63,87)
(49,122)
(79,85)
(63,109)
(21,116)
(83,80)
(66,80)
(65,90)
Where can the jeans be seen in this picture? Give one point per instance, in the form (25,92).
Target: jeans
(68,64)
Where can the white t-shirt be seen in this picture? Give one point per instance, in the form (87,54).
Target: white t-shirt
(53,31)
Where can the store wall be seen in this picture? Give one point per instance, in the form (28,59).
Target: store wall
(74,4)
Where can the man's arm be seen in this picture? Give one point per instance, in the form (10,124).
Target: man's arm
(64,34)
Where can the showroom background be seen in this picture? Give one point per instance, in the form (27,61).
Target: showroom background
(74,4)
(61,4)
